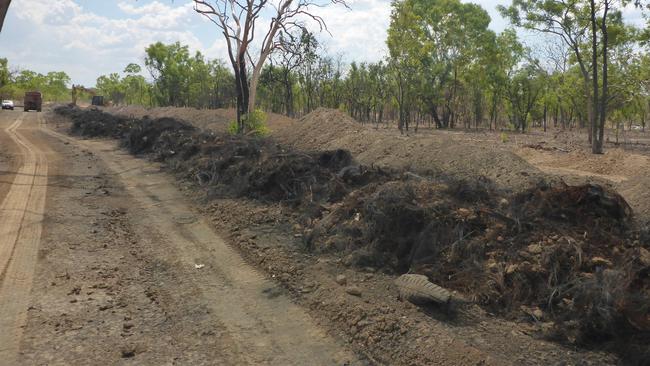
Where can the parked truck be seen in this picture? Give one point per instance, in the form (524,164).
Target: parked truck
(33,101)
(98,100)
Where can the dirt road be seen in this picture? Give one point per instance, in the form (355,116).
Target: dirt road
(103,263)
(21,215)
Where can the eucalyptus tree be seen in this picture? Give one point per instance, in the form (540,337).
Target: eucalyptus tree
(565,19)
(237,22)
(523,91)
(112,86)
(442,38)
(586,27)
(169,67)
(135,85)
(297,50)
(4,72)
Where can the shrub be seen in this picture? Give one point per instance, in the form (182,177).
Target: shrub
(254,123)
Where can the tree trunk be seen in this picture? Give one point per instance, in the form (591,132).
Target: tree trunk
(243,93)
(605,91)
(596,144)
(4,7)
(545,115)
(436,118)
(288,93)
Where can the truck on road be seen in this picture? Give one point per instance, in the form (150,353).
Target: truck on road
(33,101)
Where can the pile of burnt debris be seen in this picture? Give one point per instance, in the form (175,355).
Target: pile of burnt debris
(567,257)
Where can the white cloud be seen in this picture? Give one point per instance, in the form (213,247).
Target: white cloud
(46,35)
(358,32)
(86,44)
(151,8)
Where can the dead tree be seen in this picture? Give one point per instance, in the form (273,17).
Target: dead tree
(238,19)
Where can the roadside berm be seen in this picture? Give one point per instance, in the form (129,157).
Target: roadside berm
(568,259)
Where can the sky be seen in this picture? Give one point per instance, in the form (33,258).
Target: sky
(89,38)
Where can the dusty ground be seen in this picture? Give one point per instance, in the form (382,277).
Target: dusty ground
(131,268)
(380,327)
(125,271)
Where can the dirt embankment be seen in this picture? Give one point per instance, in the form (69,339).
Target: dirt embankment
(625,170)
(326,129)
(513,163)
(212,119)
(567,258)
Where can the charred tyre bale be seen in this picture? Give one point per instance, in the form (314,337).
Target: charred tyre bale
(143,136)
(590,205)
(335,159)
(284,177)
(350,173)
(294,177)
(94,123)
(173,145)
(227,163)
(65,110)
(644,234)
(419,290)
(478,190)
(359,175)
(394,222)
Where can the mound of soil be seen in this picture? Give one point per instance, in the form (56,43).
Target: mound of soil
(327,129)
(95,123)
(239,165)
(212,119)
(625,169)
(568,256)
(555,255)
(143,136)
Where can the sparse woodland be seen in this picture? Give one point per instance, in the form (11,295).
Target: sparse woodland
(526,245)
(445,68)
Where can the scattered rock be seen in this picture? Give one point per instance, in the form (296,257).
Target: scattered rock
(644,256)
(341,280)
(534,312)
(128,352)
(535,249)
(465,213)
(600,262)
(353,290)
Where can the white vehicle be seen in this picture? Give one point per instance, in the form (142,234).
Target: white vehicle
(8,104)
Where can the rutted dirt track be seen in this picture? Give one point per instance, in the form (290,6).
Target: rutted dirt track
(21,215)
(126,271)
(124,268)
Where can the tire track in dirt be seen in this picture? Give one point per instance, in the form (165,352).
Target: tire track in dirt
(267,328)
(21,216)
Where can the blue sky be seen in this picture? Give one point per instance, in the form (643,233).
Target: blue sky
(88,38)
